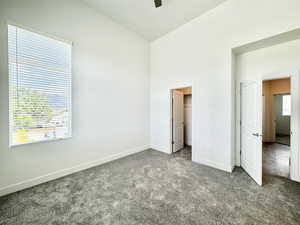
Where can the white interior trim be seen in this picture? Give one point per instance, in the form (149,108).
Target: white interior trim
(61,173)
(295,152)
(215,165)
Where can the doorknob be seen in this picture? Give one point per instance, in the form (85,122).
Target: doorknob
(257,135)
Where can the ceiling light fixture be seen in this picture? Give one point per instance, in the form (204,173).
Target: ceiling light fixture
(157,3)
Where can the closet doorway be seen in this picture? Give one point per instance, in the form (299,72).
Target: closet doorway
(181,126)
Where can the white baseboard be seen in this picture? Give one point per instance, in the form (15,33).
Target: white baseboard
(232,168)
(160,149)
(61,173)
(227,168)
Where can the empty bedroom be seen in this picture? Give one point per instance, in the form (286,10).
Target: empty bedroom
(154,112)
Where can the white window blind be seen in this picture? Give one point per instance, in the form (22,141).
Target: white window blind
(39,87)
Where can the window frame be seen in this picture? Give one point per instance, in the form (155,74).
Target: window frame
(10,116)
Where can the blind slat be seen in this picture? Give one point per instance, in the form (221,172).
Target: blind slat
(39,86)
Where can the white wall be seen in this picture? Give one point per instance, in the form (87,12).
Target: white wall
(199,53)
(110,92)
(269,61)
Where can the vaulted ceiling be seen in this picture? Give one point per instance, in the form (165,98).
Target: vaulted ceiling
(142,17)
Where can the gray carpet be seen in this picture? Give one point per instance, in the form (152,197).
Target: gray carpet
(152,188)
(185,153)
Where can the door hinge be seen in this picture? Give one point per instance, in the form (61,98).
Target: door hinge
(173,142)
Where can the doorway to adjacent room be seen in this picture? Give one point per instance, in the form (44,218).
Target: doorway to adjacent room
(268,109)
(181,126)
(276,127)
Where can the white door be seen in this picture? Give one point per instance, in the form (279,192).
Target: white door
(251,129)
(295,153)
(178,121)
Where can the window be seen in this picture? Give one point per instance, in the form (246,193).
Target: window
(39,87)
(286,105)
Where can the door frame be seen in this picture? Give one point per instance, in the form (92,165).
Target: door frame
(295,92)
(171,117)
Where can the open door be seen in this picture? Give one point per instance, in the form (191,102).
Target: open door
(251,129)
(295,153)
(178,120)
